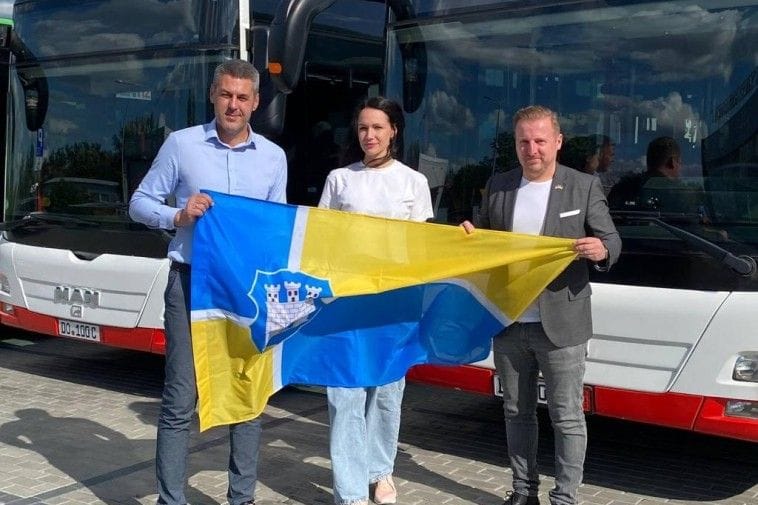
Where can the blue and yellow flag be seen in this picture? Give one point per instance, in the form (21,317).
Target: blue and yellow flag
(283,294)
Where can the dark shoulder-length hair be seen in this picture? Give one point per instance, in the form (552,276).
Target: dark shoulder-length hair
(394,112)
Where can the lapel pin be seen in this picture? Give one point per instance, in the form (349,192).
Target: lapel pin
(558,187)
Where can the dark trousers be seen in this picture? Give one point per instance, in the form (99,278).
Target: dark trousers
(178,408)
(521,351)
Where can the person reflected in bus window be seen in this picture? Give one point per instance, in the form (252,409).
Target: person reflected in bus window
(365,421)
(592,154)
(324,155)
(224,155)
(543,197)
(606,152)
(581,153)
(660,187)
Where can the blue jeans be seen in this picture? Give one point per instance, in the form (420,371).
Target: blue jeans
(364,425)
(178,408)
(521,351)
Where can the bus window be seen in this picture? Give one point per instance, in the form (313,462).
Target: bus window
(621,79)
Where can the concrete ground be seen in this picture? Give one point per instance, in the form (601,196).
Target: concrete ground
(77,426)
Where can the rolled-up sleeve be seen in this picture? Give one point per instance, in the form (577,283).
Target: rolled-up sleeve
(148,203)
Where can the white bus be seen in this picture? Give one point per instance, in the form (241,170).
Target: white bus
(94,89)
(6,25)
(675,321)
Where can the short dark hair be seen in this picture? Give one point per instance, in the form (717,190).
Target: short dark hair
(601,141)
(239,69)
(660,151)
(576,151)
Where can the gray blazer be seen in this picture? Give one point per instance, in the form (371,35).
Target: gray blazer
(565,303)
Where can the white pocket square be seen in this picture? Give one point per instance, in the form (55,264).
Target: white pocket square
(569,213)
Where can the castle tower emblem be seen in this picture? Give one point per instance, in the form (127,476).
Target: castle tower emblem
(295,308)
(283,301)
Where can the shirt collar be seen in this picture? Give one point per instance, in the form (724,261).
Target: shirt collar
(212,135)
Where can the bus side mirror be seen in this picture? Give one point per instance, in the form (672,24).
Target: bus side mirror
(5,35)
(263,121)
(413,53)
(33,82)
(35,103)
(268,119)
(414,73)
(289,36)
(280,50)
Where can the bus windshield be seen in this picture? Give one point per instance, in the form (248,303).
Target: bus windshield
(625,79)
(105,113)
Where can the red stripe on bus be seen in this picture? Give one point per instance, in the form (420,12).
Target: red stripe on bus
(712,420)
(675,410)
(665,409)
(672,410)
(138,339)
(473,379)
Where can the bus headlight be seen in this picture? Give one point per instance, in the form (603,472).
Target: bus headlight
(742,408)
(746,367)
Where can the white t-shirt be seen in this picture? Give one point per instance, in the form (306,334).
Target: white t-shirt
(395,191)
(529,217)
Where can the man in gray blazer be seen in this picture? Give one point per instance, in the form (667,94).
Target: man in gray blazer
(545,198)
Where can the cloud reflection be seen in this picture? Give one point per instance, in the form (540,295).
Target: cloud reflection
(110,25)
(448,115)
(665,43)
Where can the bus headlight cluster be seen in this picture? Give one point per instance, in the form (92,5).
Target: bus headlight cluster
(742,408)
(746,367)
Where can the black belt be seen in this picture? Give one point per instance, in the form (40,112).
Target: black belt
(183,268)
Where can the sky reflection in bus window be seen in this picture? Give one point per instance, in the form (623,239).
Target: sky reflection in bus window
(55,27)
(631,73)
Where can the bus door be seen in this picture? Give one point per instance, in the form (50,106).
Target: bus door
(324,57)
(325,101)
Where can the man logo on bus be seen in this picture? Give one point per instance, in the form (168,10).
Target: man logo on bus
(76,296)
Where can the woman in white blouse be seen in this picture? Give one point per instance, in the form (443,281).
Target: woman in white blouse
(365,421)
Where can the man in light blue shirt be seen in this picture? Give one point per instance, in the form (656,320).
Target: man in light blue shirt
(225,156)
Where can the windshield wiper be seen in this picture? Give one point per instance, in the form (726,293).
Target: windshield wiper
(743,265)
(44,218)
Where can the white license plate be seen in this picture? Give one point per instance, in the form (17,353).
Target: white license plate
(541,394)
(76,329)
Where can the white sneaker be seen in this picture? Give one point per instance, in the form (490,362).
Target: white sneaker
(385,492)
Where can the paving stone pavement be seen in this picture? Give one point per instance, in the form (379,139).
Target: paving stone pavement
(77,426)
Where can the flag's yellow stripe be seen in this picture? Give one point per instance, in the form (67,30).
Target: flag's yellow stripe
(234,380)
(370,255)
(364,255)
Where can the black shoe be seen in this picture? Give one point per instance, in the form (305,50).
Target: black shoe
(512,498)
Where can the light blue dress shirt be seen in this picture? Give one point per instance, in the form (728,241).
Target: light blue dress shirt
(195,158)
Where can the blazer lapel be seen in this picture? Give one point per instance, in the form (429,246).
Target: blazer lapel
(555,202)
(511,187)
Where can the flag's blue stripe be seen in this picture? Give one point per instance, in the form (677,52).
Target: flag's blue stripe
(436,323)
(352,341)
(261,231)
